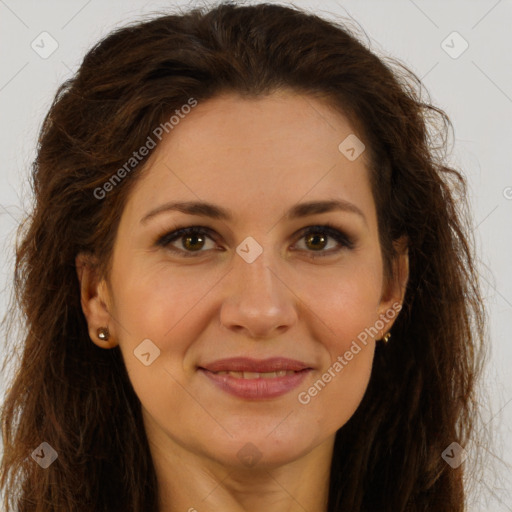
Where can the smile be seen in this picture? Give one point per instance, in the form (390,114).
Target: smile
(256,375)
(256,385)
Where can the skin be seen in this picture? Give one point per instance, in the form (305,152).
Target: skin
(257,157)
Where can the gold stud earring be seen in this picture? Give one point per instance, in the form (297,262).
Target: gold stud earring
(386,337)
(103,333)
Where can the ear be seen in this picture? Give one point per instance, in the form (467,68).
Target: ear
(95,299)
(393,292)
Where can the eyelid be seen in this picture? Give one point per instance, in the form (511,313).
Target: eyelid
(344,240)
(178,232)
(339,235)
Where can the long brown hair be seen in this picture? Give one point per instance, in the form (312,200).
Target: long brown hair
(78,398)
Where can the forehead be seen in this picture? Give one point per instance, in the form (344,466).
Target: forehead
(250,154)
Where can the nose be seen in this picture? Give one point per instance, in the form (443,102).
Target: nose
(258,303)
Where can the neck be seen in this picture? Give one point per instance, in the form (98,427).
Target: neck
(192,482)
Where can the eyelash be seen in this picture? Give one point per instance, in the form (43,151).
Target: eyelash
(328,229)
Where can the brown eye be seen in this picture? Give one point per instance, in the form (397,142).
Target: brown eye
(193,242)
(316,241)
(317,238)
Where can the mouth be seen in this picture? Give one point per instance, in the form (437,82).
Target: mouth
(257,375)
(257,366)
(256,379)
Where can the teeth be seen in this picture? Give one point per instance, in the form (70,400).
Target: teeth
(252,375)
(257,375)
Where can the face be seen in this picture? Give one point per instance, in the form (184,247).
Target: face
(265,278)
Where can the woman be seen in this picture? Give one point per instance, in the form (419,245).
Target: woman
(247,280)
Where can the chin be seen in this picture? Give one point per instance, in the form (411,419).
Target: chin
(259,452)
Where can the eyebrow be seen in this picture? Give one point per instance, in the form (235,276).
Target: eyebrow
(205,209)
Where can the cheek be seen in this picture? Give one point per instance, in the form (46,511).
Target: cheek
(336,393)
(348,308)
(167,307)
(347,301)
(155,303)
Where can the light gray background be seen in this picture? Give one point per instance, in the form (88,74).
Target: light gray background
(475,90)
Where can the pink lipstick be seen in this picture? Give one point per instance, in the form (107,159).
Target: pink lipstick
(256,379)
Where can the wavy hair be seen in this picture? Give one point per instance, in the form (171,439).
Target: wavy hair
(78,397)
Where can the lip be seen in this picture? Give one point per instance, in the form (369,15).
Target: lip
(260,387)
(246,364)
